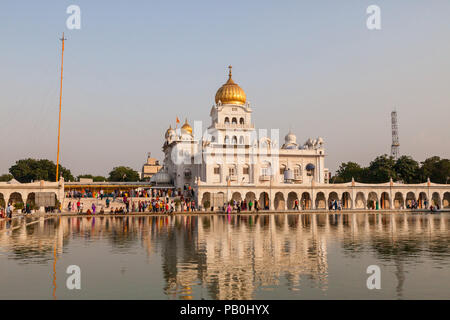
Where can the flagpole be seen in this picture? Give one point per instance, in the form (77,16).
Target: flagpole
(60,101)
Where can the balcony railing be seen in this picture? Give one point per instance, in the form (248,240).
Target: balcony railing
(264,178)
(233,126)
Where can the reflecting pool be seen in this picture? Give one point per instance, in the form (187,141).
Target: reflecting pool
(264,256)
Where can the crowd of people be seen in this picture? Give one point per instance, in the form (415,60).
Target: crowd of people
(157,204)
(134,193)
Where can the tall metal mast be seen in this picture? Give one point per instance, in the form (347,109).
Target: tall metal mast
(395,148)
(60,101)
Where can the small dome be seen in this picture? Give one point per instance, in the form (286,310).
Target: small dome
(290,138)
(230,92)
(186,127)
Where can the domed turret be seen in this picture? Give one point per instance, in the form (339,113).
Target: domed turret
(186,128)
(290,141)
(230,92)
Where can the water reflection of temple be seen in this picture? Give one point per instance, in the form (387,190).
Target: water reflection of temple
(234,257)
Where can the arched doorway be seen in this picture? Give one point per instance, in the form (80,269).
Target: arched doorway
(372,201)
(15,197)
(446,200)
(321,202)
(31,200)
(436,199)
(206,201)
(279,202)
(423,201)
(346,201)
(292,196)
(250,197)
(399,203)
(236,197)
(360,201)
(410,200)
(333,196)
(385,201)
(2,201)
(306,201)
(264,203)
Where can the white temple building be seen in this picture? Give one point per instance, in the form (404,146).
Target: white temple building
(231,154)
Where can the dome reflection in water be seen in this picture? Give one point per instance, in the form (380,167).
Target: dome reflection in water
(288,256)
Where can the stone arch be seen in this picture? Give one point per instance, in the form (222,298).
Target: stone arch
(372,200)
(279,202)
(422,199)
(31,199)
(226,140)
(234,140)
(292,196)
(234,120)
(385,201)
(241,140)
(410,199)
(241,121)
(332,196)
(236,196)
(321,202)
(250,196)
(2,201)
(305,201)
(436,199)
(346,200)
(15,197)
(399,202)
(446,200)
(227,120)
(360,201)
(206,198)
(264,201)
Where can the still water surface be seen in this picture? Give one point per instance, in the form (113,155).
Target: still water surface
(287,256)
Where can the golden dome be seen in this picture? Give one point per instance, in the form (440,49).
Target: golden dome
(230,92)
(187,127)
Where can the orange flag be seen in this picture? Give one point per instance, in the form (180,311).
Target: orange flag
(178,120)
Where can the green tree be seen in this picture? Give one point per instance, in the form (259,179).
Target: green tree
(407,169)
(435,168)
(123,174)
(349,170)
(27,170)
(381,170)
(6,177)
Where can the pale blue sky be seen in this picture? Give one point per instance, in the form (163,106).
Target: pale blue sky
(134,66)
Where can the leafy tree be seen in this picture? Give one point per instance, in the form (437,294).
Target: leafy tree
(407,169)
(382,169)
(6,177)
(123,174)
(435,168)
(27,170)
(349,170)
